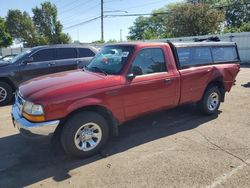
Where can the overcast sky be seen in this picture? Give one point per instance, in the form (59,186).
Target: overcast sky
(72,12)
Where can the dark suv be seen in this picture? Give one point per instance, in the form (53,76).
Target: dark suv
(39,61)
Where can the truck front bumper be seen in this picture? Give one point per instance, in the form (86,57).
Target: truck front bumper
(31,129)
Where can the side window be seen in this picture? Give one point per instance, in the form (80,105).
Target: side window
(147,61)
(43,55)
(192,56)
(184,55)
(65,53)
(201,56)
(221,54)
(85,52)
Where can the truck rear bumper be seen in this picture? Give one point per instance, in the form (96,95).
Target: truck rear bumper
(31,129)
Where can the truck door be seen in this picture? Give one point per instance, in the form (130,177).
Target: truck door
(153,87)
(42,63)
(66,59)
(84,56)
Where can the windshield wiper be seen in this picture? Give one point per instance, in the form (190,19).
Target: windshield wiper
(100,70)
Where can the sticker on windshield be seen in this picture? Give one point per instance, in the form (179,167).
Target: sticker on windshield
(125,54)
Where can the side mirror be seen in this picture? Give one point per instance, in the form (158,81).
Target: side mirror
(130,76)
(28,60)
(136,70)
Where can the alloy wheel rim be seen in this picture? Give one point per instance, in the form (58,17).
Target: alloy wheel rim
(88,136)
(213,101)
(3,94)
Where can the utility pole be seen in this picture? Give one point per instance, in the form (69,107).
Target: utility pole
(102,33)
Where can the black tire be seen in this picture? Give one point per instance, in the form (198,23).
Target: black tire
(214,93)
(5,89)
(72,126)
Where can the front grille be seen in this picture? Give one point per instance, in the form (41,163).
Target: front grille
(19,101)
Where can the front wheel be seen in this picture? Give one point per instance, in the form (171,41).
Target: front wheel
(6,93)
(84,134)
(210,102)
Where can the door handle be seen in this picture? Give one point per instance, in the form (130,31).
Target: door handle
(208,70)
(51,64)
(112,92)
(168,81)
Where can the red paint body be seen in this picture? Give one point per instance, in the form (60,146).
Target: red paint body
(65,92)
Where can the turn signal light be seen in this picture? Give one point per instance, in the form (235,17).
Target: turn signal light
(37,118)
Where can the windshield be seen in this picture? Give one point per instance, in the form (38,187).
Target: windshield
(19,56)
(8,57)
(111,59)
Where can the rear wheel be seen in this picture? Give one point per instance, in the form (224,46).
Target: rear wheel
(6,93)
(84,134)
(210,102)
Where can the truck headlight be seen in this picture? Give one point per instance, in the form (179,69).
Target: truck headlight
(33,112)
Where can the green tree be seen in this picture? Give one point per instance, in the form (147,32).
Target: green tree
(47,24)
(98,42)
(21,28)
(158,27)
(237,12)
(187,19)
(111,41)
(5,38)
(176,20)
(146,28)
(245,27)
(137,31)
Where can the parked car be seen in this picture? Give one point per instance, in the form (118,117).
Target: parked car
(8,57)
(122,82)
(40,61)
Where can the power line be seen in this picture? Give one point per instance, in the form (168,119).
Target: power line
(69,23)
(132,15)
(57,1)
(85,11)
(70,3)
(88,10)
(115,15)
(78,5)
(83,23)
(143,5)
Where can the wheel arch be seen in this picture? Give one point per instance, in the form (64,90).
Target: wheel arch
(103,111)
(8,81)
(220,84)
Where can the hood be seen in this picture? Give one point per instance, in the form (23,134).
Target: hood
(4,63)
(65,85)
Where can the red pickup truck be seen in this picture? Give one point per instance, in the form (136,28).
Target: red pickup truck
(122,82)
